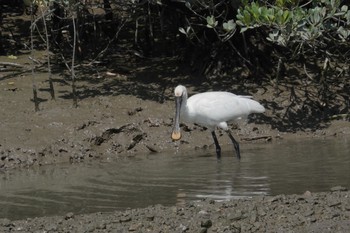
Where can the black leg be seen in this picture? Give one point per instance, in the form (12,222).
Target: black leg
(217,146)
(235,144)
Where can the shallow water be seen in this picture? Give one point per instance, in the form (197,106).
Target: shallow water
(169,179)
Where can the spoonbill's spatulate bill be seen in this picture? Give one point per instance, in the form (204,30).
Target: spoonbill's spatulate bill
(212,109)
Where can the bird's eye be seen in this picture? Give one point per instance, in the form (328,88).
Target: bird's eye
(178,94)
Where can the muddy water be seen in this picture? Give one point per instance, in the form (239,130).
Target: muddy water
(169,179)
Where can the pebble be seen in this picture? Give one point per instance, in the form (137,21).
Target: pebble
(150,217)
(206,224)
(125,219)
(238,215)
(69,216)
(338,188)
(203,213)
(135,227)
(51,227)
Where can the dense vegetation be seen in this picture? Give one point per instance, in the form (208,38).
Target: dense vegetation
(212,36)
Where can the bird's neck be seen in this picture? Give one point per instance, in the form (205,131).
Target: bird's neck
(184,108)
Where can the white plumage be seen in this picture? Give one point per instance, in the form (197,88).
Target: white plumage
(213,109)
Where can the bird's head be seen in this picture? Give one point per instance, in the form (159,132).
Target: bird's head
(180,91)
(180,95)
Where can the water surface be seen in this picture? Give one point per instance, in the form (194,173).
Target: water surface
(169,179)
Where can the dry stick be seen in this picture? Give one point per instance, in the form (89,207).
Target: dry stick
(240,55)
(4,63)
(278,74)
(324,86)
(150,25)
(75,99)
(35,92)
(266,137)
(137,30)
(52,91)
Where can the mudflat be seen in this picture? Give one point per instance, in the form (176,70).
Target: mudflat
(130,113)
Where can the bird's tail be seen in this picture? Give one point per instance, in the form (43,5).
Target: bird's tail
(254,106)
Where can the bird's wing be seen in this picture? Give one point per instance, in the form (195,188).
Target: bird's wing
(222,106)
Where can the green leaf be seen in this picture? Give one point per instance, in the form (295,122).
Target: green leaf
(229,26)
(182,30)
(243,29)
(344,8)
(239,15)
(246,17)
(211,22)
(285,16)
(343,33)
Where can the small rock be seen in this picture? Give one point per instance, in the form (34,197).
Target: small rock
(206,224)
(307,194)
(253,217)
(69,215)
(183,228)
(308,213)
(135,226)
(332,203)
(51,227)
(125,219)
(150,217)
(102,226)
(152,149)
(134,111)
(238,215)
(203,213)
(235,227)
(274,199)
(347,207)
(153,122)
(312,219)
(6,222)
(338,188)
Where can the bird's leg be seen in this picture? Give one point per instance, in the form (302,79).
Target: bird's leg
(235,144)
(217,146)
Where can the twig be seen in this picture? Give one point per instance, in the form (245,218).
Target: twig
(267,138)
(12,64)
(35,92)
(75,101)
(52,90)
(278,75)
(24,68)
(339,116)
(307,74)
(41,17)
(239,54)
(109,43)
(34,60)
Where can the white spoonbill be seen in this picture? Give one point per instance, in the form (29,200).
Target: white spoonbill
(213,109)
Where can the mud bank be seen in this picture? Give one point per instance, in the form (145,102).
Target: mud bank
(129,118)
(309,212)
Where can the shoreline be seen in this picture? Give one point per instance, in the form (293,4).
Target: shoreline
(308,212)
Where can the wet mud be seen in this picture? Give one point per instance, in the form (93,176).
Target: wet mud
(308,212)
